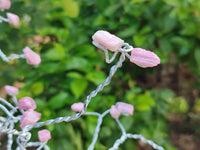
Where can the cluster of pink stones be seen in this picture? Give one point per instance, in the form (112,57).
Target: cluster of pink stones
(121,108)
(115,111)
(12,18)
(139,56)
(29,117)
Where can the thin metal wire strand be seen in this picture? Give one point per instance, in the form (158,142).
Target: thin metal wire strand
(86,101)
(140,137)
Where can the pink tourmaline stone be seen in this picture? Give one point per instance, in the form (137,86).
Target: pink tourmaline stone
(5,4)
(44,135)
(26,103)
(31,57)
(77,106)
(11,90)
(13,19)
(114,112)
(124,108)
(29,117)
(144,58)
(107,40)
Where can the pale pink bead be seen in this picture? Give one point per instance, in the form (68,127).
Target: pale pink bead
(144,58)
(5,4)
(107,40)
(124,108)
(31,57)
(26,103)
(77,107)
(29,117)
(13,19)
(44,135)
(11,90)
(114,112)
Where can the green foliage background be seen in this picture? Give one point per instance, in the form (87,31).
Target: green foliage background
(72,67)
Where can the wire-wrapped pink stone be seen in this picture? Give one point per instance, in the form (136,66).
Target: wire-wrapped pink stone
(114,112)
(44,135)
(77,106)
(13,19)
(5,4)
(124,108)
(29,117)
(107,40)
(11,90)
(31,57)
(26,103)
(144,58)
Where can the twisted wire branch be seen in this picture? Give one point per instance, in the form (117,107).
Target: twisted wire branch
(86,101)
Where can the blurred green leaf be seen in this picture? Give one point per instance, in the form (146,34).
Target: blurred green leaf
(58,100)
(143,102)
(78,86)
(37,88)
(71,8)
(97,77)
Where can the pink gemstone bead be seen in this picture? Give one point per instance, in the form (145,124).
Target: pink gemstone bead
(5,4)
(13,19)
(31,57)
(44,135)
(114,112)
(29,117)
(11,90)
(144,58)
(107,40)
(26,103)
(77,107)
(124,108)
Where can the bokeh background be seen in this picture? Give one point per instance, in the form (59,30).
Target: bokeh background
(166,98)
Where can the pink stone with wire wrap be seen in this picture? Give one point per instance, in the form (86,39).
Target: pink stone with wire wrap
(107,40)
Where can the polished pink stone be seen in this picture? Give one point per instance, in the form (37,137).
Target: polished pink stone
(29,117)
(144,58)
(77,106)
(114,112)
(31,57)
(124,108)
(44,135)
(11,90)
(107,40)
(13,19)
(26,103)
(5,4)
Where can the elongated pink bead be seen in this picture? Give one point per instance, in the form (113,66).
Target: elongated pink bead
(5,4)
(13,19)
(144,58)
(107,40)
(114,112)
(124,108)
(29,117)
(44,135)
(26,103)
(77,106)
(11,90)
(31,57)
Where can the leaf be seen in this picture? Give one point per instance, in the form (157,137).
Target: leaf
(97,77)
(57,53)
(71,8)
(58,100)
(78,87)
(37,88)
(139,40)
(143,102)
(76,63)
